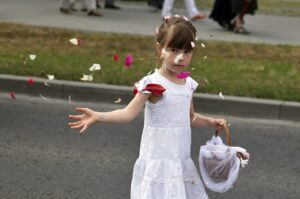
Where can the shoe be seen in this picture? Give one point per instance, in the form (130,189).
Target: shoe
(237,26)
(198,17)
(65,11)
(94,13)
(112,6)
(241,30)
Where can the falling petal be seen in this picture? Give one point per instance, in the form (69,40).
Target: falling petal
(46,84)
(12,95)
(193,44)
(221,95)
(128,61)
(205,57)
(178,58)
(74,41)
(183,74)
(118,100)
(166,18)
(185,18)
(177,15)
(50,77)
(155,89)
(203,45)
(196,38)
(95,67)
(193,68)
(70,99)
(43,97)
(116,57)
(87,77)
(32,57)
(30,82)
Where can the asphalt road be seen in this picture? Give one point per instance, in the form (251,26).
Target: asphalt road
(40,157)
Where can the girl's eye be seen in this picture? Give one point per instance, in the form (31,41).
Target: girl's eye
(174,50)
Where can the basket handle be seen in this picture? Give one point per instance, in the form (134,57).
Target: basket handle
(228,136)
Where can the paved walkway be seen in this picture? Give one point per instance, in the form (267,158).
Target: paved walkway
(136,18)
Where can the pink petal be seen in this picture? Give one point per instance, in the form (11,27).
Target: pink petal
(30,81)
(128,61)
(12,95)
(183,74)
(116,57)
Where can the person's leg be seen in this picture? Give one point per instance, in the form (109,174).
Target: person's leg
(167,8)
(192,10)
(239,19)
(65,6)
(110,4)
(91,8)
(244,9)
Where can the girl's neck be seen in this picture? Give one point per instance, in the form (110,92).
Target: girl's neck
(170,75)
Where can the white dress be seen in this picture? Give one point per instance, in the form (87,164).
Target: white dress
(164,168)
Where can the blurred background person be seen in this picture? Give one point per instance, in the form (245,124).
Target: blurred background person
(191,8)
(230,13)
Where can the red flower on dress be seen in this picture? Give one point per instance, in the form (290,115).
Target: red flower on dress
(155,89)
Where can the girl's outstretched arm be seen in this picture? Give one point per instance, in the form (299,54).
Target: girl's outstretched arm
(125,115)
(198,120)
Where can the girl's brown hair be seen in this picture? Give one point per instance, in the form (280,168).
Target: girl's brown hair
(176,32)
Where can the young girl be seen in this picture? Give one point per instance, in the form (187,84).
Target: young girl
(164,168)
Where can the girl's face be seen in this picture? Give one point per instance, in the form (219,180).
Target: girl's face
(176,60)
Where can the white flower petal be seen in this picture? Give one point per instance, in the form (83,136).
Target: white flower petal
(50,77)
(32,57)
(95,67)
(70,99)
(87,77)
(43,97)
(221,95)
(203,45)
(205,57)
(193,44)
(185,18)
(177,58)
(74,41)
(118,100)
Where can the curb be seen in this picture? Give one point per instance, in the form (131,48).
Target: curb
(203,103)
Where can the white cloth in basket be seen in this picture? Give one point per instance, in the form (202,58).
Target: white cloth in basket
(219,164)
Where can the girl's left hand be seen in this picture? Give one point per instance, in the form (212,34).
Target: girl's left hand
(219,124)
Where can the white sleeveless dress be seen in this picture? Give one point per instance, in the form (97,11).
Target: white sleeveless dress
(164,168)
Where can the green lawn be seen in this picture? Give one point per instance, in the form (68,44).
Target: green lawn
(239,69)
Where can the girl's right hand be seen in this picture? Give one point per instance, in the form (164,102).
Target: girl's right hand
(84,120)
